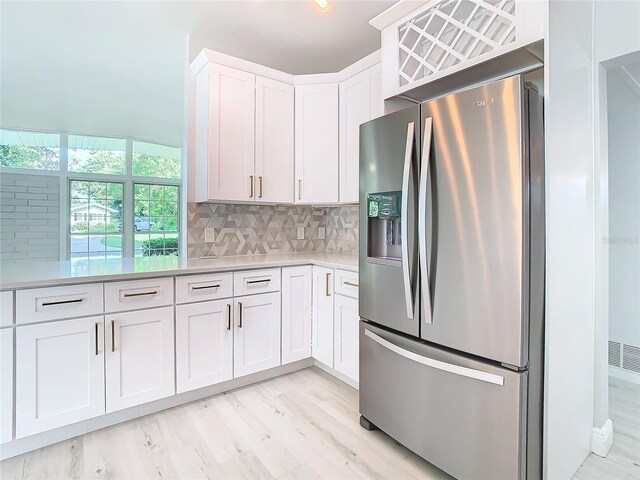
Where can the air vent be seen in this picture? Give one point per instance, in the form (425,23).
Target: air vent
(630,358)
(614,354)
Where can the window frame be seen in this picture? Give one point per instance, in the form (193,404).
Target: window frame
(128,179)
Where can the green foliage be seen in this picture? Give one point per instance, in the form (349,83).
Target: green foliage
(160,246)
(145,165)
(97,161)
(40,158)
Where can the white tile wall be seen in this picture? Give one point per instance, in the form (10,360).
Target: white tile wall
(29,217)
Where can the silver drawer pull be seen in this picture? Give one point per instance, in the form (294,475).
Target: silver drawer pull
(217,285)
(62,302)
(259,281)
(140,294)
(437,364)
(350,284)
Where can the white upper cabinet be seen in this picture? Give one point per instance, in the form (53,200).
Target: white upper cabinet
(225,134)
(274,141)
(296,313)
(316,143)
(355,109)
(59,374)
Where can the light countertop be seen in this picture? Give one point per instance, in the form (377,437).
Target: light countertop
(38,273)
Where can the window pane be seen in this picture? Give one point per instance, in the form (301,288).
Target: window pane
(95,210)
(152,160)
(155,214)
(35,150)
(97,154)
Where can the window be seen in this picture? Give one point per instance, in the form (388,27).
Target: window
(152,160)
(95,227)
(97,155)
(32,150)
(155,219)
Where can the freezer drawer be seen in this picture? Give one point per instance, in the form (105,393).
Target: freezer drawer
(464,416)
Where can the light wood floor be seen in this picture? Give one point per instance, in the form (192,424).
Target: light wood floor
(301,425)
(623,461)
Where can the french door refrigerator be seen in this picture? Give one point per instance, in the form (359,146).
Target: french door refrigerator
(452,279)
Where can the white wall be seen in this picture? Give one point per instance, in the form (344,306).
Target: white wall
(569,373)
(624,222)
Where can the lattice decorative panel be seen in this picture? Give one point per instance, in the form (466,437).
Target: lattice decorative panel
(451,32)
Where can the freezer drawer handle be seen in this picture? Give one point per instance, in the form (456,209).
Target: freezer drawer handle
(430,362)
(422,229)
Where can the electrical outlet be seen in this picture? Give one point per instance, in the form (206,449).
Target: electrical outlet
(209,234)
(300,233)
(321,233)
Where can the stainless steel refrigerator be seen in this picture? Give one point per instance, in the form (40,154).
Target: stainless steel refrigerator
(452,279)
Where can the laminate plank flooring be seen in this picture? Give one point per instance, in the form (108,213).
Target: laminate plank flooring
(301,425)
(623,460)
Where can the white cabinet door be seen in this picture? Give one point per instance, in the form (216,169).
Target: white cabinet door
(346,336)
(204,344)
(296,313)
(139,360)
(231,134)
(274,141)
(59,374)
(322,300)
(6,380)
(355,109)
(316,143)
(377,99)
(256,345)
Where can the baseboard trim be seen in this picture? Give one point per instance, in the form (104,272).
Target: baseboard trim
(39,440)
(338,375)
(602,439)
(623,374)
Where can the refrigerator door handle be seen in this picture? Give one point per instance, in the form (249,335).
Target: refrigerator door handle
(404,220)
(437,364)
(422,214)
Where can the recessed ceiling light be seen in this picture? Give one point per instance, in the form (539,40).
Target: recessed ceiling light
(323,4)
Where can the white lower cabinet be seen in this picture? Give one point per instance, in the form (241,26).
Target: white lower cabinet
(256,344)
(139,360)
(59,374)
(296,313)
(346,339)
(322,330)
(204,344)
(6,380)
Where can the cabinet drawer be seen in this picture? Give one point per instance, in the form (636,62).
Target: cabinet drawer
(196,288)
(42,304)
(256,281)
(346,283)
(135,294)
(6,309)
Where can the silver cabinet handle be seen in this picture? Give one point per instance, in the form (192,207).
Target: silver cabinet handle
(96,326)
(328,277)
(404,220)
(422,213)
(62,302)
(299,189)
(251,185)
(203,287)
(228,316)
(260,180)
(350,284)
(433,363)
(113,335)
(140,294)
(240,316)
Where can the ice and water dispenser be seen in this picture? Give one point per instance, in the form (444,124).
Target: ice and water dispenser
(383,229)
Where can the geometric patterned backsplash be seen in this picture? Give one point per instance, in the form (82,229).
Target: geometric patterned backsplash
(265,229)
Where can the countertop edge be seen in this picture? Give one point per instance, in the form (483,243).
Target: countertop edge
(174,272)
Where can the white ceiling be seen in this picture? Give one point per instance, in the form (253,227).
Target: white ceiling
(117,67)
